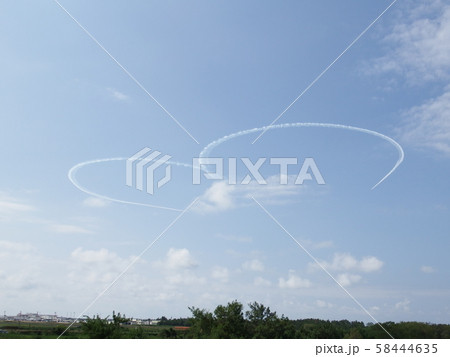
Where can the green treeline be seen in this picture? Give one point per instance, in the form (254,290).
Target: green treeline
(258,321)
(232,320)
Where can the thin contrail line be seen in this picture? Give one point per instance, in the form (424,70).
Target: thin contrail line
(126,71)
(320,265)
(324,71)
(130,265)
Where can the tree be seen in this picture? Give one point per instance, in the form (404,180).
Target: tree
(264,323)
(202,323)
(230,322)
(97,327)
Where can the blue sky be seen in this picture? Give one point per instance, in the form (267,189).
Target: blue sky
(220,68)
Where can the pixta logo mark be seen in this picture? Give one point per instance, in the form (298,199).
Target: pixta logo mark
(141,167)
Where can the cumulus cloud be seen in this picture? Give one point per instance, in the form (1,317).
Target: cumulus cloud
(10,206)
(253,265)
(428,125)
(178,268)
(259,281)
(184,278)
(323,304)
(179,259)
(323,245)
(218,197)
(68,229)
(101,256)
(20,267)
(347,279)
(8,247)
(346,262)
(118,95)
(222,196)
(349,267)
(95,202)
(420,45)
(427,269)
(220,273)
(13,208)
(343,261)
(420,53)
(96,266)
(235,238)
(293,282)
(403,305)
(370,264)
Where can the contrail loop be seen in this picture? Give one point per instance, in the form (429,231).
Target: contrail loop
(72,177)
(207,149)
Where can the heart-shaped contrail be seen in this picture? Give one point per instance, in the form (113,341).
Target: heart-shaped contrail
(208,149)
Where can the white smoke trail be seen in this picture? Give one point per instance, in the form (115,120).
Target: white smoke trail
(72,177)
(208,148)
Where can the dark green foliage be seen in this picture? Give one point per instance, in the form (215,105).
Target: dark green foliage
(264,323)
(168,333)
(97,327)
(259,321)
(164,321)
(409,330)
(227,321)
(202,323)
(230,321)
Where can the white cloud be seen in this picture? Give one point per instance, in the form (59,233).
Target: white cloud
(428,125)
(346,262)
(12,208)
(96,266)
(421,53)
(21,272)
(178,269)
(216,198)
(293,282)
(253,265)
(221,196)
(177,259)
(427,269)
(101,256)
(95,202)
(235,238)
(347,279)
(420,45)
(273,192)
(349,267)
(118,95)
(259,281)
(323,304)
(403,305)
(184,278)
(324,244)
(343,262)
(68,229)
(8,247)
(370,264)
(9,207)
(220,273)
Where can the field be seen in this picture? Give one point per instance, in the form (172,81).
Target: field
(51,330)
